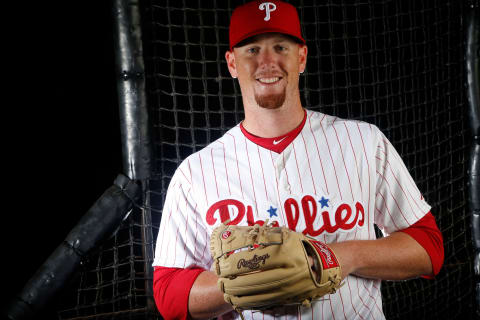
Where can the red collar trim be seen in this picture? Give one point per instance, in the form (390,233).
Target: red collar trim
(277,144)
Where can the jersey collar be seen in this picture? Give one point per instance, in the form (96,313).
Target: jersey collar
(277,144)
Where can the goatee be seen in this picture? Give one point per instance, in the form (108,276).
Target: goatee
(272,101)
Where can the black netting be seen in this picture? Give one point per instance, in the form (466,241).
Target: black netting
(112,281)
(396,63)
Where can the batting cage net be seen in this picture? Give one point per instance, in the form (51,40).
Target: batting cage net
(398,64)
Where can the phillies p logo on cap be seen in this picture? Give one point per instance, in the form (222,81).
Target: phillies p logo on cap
(268,7)
(257,17)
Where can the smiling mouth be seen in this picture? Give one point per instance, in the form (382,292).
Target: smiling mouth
(269,80)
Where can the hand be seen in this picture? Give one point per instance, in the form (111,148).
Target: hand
(311,262)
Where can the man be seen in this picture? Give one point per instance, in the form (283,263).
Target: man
(329,178)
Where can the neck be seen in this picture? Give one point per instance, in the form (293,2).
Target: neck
(271,123)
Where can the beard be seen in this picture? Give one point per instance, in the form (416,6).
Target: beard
(271,101)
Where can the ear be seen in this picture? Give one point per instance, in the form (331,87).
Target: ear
(232,67)
(302,58)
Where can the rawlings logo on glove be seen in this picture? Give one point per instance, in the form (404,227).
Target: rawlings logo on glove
(254,263)
(260,267)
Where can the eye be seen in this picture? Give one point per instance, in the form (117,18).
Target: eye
(280,48)
(253,50)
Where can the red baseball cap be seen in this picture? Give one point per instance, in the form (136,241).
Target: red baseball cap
(257,17)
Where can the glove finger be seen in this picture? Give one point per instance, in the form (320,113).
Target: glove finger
(265,281)
(293,293)
(247,261)
(225,239)
(263,259)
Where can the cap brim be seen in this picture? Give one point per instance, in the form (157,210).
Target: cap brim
(263,31)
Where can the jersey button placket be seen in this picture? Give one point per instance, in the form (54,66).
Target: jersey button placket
(280,172)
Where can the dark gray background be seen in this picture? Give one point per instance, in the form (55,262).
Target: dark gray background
(60,127)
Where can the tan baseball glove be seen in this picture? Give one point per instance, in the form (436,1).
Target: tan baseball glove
(261,267)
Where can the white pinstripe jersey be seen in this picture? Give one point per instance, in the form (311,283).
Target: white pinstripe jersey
(334,182)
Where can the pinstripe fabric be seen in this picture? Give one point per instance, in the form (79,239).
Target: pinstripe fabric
(334,181)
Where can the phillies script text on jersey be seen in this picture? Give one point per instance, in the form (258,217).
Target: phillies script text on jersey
(316,221)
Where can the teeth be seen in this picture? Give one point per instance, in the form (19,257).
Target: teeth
(269,80)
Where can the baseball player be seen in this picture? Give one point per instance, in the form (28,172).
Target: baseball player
(329,178)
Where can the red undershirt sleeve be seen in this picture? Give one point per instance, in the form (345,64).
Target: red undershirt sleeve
(171,288)
(425,231)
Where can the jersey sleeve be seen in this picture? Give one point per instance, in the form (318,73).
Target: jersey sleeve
(398,202)
(171,289)
(182,240)
(426,233)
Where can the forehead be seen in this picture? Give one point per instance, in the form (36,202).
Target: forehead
(265,37)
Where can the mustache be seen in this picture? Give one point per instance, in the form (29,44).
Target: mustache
(271,74)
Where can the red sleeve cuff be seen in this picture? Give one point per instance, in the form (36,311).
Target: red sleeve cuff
(425,231)
(171,288)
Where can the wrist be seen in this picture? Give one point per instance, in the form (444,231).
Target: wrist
(346,255)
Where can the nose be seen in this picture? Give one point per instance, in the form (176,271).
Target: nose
(267,59)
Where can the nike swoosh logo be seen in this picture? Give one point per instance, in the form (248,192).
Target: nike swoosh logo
(275,142)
